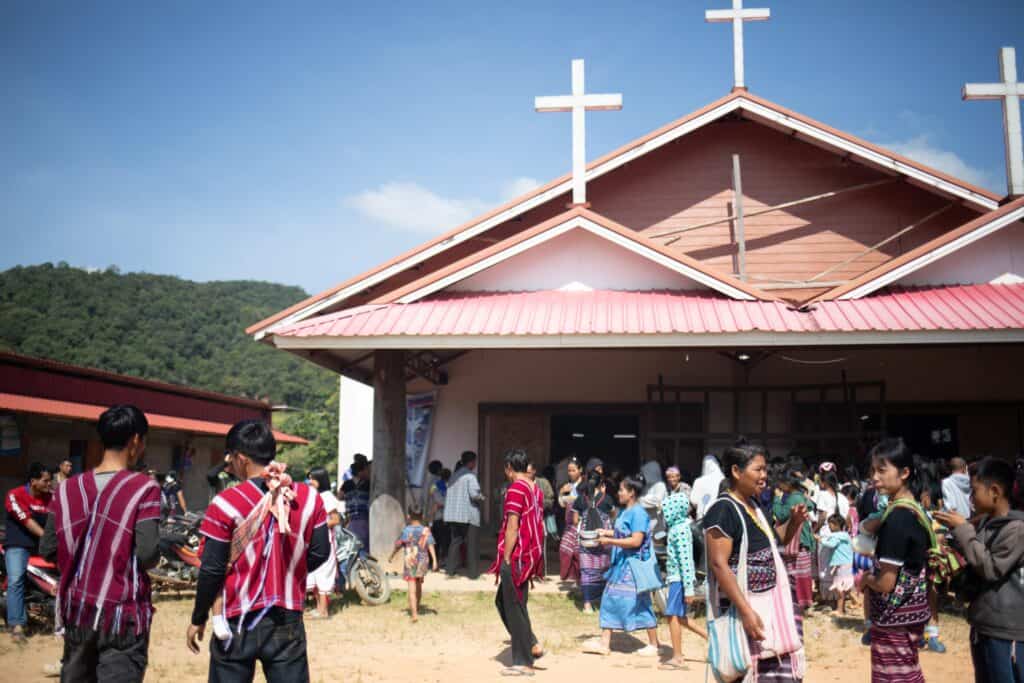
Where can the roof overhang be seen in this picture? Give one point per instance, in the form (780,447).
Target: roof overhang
(88,412)
(741,102)
(627,341)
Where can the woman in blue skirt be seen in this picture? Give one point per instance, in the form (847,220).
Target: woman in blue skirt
(622,607)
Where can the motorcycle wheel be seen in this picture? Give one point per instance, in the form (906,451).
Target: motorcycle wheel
(370,582)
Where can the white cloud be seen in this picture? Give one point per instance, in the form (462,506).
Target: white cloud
(411,207)
(921,150)
(517,187)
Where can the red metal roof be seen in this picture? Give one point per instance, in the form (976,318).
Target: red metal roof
(86,411)
(961,307)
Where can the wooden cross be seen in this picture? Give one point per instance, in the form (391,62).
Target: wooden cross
(579,103)
(737,15)
(1010,92)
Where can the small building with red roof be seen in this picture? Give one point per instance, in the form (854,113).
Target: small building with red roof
(48,413)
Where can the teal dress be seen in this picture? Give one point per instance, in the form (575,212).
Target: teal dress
(622,608)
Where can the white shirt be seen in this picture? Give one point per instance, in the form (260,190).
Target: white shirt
(826,502)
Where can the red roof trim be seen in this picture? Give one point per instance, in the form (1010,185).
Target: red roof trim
(91,413)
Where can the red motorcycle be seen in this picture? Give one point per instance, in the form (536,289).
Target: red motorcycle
(178,566)
(41,580)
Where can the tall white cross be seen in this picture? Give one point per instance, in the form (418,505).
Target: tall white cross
(579,103)
(1010,92)
(737,15)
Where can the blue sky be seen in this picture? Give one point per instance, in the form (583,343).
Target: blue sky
(306,142)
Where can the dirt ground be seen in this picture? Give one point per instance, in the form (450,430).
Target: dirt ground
(459,638)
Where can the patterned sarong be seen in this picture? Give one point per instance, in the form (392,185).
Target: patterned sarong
(894,654)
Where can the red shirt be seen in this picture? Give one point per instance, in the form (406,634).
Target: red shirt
(527,502)
(272,570)
(22,506)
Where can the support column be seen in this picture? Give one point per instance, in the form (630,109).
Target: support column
(387,492)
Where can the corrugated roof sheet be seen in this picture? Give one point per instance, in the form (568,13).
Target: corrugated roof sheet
(961,307)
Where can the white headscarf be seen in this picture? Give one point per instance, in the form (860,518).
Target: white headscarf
(705,487)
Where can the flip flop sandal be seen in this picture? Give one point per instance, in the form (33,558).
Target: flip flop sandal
(515,671)
(673,666)
(595,648)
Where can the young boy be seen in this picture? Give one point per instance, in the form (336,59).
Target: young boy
(26,516)
(994,550)
(103,529)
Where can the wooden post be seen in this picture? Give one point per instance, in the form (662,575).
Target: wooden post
(387,490)
(737,208)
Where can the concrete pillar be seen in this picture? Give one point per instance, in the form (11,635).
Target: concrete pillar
(387,516)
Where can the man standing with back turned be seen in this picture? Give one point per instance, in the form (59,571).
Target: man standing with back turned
(261,539)
(103,528)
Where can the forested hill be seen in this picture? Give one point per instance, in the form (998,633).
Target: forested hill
(158,327)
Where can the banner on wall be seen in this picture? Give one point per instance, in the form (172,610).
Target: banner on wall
(10,437)
(419,423)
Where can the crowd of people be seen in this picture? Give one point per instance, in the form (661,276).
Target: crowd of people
(758,539)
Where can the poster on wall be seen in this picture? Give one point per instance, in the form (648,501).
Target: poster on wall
(10,437)
(419,422)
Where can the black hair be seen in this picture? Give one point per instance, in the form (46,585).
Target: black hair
(831,480)
(348,485)
(929,480)
(322,479)
(740,454)
(446,474)
(254,440)
(516,459)
(894,451)
(548,472)
(118,424)
(467,457)
(35,471)
(357,467)
(574,460)
(635,483)
(415,514)
(793,477)
(839,521)
(851,490)
(995,471)
(590,487)
(434,467)
(359,457)
(851,474)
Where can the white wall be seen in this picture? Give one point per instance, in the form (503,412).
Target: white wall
(1000,256)
(355,422)
(576,258)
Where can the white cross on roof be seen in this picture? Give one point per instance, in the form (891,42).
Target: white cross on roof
(578,103)
(737,15)
(1010,92)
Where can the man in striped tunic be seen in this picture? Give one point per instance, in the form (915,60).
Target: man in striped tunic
(102,527)
(261,538)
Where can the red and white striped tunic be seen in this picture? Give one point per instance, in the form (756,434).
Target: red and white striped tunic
(527,502)
(102,586)
(272,570)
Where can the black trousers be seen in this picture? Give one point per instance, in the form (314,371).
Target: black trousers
(94,657)
(516,617)
(278,643)
(469,536)
(442,538)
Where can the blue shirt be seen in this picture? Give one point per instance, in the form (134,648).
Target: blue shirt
(842,548)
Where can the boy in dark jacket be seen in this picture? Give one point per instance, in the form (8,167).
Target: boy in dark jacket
(994,550)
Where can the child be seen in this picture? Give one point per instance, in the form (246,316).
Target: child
(840,564)
(420,556)
(322,581)
(994,550)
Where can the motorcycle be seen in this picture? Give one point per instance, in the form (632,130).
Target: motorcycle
(178,566)
(358,569)
(40,587)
